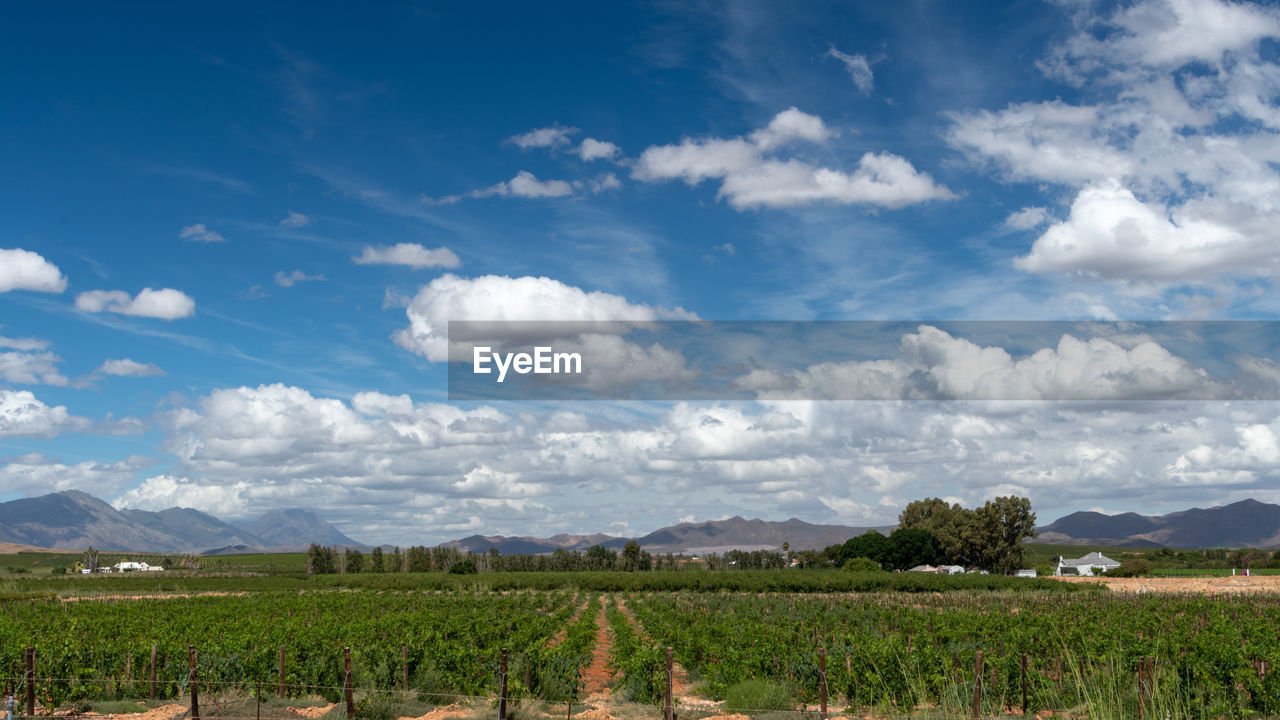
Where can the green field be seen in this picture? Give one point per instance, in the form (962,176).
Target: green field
(894,642)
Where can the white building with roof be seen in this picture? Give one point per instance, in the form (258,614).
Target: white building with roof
(1095,563)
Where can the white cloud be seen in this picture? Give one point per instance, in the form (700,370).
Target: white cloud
(548,137)
(592,149)
(125,367)
(494,297)
(858,68)
(200,233)
(937,366)
(295,220)
(165,491)
(30,368)
(25,270)
(21,414)
(881,179)
(1027,218)
(790,125)
(284,279)
(411,254)
(34,474)
(25,344)
(1110,233)
(165,304)
(752,180)
(524,185)
(1175,166)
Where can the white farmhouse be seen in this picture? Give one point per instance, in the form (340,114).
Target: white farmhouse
(128,566)
(1095,563)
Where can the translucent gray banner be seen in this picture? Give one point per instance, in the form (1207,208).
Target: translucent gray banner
(857,360)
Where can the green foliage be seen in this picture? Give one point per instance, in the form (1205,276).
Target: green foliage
(1136,567)
(990,537)
(861,564)
(465,566)
(756,695)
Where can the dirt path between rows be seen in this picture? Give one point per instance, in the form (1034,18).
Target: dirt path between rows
(598,677)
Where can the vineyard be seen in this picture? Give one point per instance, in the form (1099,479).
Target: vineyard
(891,653)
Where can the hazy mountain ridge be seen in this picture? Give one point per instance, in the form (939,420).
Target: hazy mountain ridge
(1247,523)
(74,520)
(706,536)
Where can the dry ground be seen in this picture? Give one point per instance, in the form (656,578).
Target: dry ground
(1193,585)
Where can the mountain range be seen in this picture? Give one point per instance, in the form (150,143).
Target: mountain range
(690,538)
(74,520)
(1247,523)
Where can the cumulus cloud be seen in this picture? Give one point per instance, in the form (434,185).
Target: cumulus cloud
(389,469)
(501,298)
(858,68)
(165,304)
(21,414)
(592,149)
(200,233)
(35,474)
(1111,233)
(413,255)
(295,220)
(124,367)
(30,368)
(25,270)
(1169,161)
(934,365)
(289,279)
(547,137)
(751,179)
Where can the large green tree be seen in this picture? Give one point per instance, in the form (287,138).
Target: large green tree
(989,537)
(1003,523)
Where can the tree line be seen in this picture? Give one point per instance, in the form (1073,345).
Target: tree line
(930,532)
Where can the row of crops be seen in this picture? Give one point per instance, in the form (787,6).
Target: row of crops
(889,651)
(449,643)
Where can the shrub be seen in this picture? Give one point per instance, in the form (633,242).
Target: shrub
(754,695)
(1136,567)
(861,564)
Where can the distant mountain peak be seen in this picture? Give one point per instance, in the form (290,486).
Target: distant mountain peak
(74,520)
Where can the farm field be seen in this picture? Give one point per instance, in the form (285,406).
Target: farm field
(909,652)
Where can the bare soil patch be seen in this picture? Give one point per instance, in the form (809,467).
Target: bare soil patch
(1188,585)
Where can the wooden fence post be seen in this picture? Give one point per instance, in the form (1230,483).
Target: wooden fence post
(502,690)
(31,681)
(668,711)
(280,689)
(151,691)
(346,682)
(977,685)
(191,681)
(822,683)
(404,664)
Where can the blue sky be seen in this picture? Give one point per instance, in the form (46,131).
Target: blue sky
(308,192)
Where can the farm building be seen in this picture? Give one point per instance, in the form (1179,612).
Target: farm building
(1095,563)
(939,569)
(127,566)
